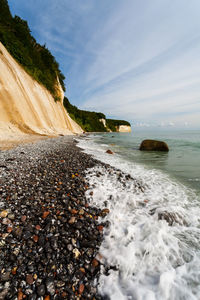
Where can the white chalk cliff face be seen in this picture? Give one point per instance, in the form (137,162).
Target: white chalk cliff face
(103,121)
(124,128)
(26,107)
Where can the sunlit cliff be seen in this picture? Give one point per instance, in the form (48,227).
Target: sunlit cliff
(28,107)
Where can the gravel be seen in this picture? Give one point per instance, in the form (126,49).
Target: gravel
(49,235)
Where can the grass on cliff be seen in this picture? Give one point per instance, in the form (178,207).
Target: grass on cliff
(36,59)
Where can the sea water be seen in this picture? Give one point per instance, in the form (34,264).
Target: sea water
(152,243)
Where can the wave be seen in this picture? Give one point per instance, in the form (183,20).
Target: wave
(151,246)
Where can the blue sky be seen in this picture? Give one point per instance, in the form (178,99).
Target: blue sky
(137,60)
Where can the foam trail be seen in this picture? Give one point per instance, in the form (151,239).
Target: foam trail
(152,259)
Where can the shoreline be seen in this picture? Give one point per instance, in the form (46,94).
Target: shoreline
(12,142)
(19,140)
(50,235)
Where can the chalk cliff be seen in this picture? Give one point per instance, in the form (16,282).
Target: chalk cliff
(26,107)
(124,128)
(118,128)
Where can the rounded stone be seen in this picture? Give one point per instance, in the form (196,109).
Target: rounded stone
(154,145)
(41,290)
(50,286)
(3,214)
(109,151)
(29,279)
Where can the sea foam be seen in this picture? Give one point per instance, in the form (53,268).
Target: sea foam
(149,259)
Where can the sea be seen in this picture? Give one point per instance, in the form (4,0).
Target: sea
(152,243)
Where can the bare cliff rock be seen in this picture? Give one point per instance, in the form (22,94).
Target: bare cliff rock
(26,107)
(124,128)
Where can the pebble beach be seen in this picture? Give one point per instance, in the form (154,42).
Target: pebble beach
(49,235)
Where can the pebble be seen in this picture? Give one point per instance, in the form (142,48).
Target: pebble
(20,295)
(100,228)
(76,253)
(45,214)
(49,236)
(5,276)
(6,221)
(9,229)
(50,286)
(72,220)
(95,263)
(14,270)
(11,216)
(104,212)
(81,212)
(41,290)
(69,247)
(17,232)
(3,214)
(29,279)
(109,151)
(23,218)
(35,238)
(81,288)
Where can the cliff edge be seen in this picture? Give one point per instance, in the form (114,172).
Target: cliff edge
(27,107)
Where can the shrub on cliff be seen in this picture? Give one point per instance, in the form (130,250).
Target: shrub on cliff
(88,120)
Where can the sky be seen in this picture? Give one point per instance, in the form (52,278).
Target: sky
(137,60)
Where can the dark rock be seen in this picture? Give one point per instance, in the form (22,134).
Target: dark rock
(41,290)
(17,232)
(50,286)
(5,276)
(41,240)
(109,151)
(27,235)
(153,145)
(29,279)
(171,217)
(104,212)
(3,293)
(32,297)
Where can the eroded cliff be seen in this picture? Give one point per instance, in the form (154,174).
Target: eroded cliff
(26,107)
(124,128)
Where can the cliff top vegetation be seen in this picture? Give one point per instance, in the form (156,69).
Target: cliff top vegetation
(36,59)
(90,120)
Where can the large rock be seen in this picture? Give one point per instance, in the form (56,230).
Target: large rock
(153,145)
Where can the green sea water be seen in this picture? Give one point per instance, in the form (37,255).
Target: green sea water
(182,162)
(156,258)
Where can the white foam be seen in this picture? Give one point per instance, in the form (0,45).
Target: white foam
(154,260)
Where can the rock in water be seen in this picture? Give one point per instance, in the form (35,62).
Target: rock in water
(153,145)
(109,151)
